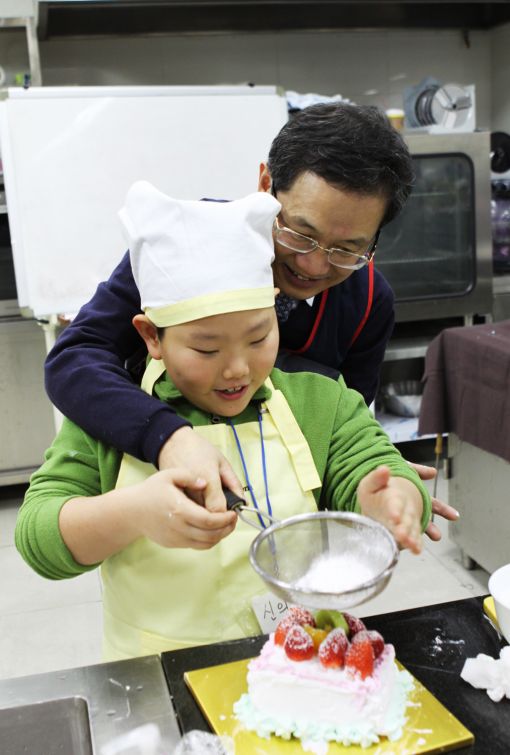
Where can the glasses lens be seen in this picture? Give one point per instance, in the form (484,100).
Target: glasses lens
(295,241)
(339,258)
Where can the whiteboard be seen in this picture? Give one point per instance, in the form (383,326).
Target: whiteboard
(70,154)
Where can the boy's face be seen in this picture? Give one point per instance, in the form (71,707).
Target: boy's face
(218,362)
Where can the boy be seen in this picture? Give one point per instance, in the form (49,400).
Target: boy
(174,573)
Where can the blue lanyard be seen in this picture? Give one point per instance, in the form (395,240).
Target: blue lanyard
(245,469)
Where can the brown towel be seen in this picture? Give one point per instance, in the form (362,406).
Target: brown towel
(467,386)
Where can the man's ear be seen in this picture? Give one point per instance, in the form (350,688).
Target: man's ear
(148,331)
(264,178)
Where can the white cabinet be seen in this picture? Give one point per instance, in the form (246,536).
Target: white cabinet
(478,489)
(26,415)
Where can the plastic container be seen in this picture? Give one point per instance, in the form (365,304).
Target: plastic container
(499,588)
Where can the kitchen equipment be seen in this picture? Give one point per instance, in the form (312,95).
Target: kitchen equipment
(326,559)
(81,710)
(500,154)
(499,588)
(403,397)
(437,254)
(438,452)
(500,220)
(239,505)
(429,728)
(440,108)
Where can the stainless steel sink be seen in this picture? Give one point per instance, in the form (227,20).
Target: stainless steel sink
(53,727)
(79,711)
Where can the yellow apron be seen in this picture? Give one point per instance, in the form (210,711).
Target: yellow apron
(157,598)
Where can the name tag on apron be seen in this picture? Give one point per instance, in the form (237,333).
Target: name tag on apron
(269,610)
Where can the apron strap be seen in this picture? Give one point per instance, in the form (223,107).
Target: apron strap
(153,372)
(293,438)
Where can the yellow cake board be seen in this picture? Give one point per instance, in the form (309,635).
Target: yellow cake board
(430,727)
(490,610)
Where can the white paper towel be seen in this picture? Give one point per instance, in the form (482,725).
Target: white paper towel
(492,674)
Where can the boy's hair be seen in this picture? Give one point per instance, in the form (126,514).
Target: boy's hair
(354,147)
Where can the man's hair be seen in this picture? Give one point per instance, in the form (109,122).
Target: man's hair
(354,147)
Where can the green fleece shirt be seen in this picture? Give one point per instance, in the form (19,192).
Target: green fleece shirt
(345,440)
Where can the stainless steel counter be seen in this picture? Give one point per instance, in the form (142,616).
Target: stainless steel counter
(80,710)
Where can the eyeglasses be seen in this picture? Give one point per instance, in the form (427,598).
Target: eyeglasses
(338,257)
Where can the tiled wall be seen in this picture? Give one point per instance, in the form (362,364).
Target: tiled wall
(365,66)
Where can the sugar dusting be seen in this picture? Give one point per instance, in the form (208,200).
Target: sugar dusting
(317,747)
(335,574)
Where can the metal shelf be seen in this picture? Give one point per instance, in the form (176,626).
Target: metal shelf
(23,14)
(407,348)
(62,18)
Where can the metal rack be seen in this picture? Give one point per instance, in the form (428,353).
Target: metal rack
(16,14)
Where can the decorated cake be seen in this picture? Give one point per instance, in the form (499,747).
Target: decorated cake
(324,677)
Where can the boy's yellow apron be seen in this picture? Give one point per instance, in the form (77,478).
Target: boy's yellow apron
(157,598)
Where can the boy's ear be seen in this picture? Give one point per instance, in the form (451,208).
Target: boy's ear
(264,178)
(148,331)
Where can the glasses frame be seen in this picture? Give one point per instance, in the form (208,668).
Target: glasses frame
(362,259)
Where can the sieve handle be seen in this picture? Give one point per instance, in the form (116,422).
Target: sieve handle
(233,501)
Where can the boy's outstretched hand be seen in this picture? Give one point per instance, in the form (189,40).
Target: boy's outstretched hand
(396,503)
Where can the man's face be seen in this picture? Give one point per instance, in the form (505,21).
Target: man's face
(219,362)
(329,215)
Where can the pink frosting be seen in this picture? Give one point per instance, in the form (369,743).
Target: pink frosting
(272,659)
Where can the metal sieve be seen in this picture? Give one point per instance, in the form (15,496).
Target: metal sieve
(287,552)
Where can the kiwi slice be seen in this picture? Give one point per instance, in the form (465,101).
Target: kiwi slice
(331,620)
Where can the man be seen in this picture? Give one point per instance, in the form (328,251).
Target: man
(340,173)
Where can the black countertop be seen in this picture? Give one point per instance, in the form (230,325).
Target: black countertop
(432,642)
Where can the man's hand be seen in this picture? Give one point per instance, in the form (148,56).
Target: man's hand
(185,449)
(438,507)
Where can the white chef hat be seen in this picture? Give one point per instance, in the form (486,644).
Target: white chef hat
(192,259)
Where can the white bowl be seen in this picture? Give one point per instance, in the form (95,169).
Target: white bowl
(499,588)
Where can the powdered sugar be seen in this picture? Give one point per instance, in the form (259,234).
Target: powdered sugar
(335,574)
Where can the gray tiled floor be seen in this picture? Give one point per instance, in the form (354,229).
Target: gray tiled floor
(46,626)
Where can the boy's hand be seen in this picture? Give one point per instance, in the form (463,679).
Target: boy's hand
(396,503)
(168,517)
(186,450)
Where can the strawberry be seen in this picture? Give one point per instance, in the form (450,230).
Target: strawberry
(360,658)
(301,616)
(317,635)
(295,615)
(298,644)
(355,625)
(373,637)
(283,627)
(332,651)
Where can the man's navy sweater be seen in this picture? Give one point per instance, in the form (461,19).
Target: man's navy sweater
(86,377)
